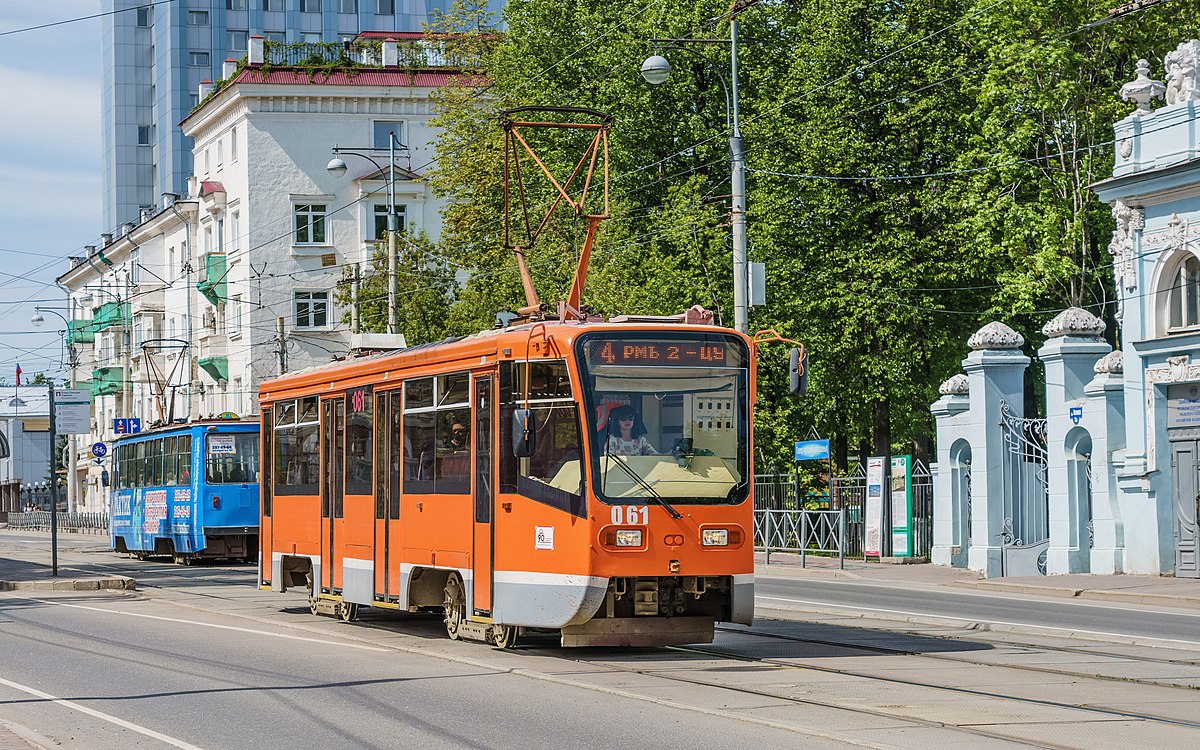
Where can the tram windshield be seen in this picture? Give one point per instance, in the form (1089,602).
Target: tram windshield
(668,416)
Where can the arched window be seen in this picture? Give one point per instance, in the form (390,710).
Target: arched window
(5,451)
(1183,301)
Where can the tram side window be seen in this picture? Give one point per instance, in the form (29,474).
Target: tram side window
(437,435)
(296,459)
(183,459)
(360,420)
(170,461)
(268,466)
(389,455)
(554,474)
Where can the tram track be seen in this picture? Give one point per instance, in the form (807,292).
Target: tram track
(961,658)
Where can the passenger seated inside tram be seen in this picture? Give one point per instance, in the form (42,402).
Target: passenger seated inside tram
(627,434)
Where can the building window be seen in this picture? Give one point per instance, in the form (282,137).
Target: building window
(235,4)
(220,153)
(235,231)
(237,40)
(193,101)
(310,224)
(312,309)
(233,147)
(272,5)
(380,225)
(1185,295)
(208,239)
(145,135)
(310,6)
(235,315)
(385,7)
(310,37)
(198,59)
(197,18)
(143,16)
(347,6)
(382,133)
(275,36)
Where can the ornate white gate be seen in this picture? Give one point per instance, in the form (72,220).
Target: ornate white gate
(1025,535)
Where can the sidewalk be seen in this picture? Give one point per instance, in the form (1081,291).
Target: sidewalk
(1129,589)
(29,566)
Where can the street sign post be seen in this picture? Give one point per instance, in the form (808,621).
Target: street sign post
(99,450)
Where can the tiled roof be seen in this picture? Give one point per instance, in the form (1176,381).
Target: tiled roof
(208,187)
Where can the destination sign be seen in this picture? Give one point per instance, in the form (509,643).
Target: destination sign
(662,353)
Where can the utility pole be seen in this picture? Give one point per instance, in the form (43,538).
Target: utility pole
(53,488)
(282,345)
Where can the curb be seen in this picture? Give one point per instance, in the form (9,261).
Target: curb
(1127,597)
(82,584)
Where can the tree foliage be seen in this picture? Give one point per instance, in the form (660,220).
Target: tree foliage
(916,170)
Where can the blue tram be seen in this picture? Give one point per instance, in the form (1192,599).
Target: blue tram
(187,491)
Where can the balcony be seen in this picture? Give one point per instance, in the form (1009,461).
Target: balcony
(107,381)
(212,283)
(81,332)
(110,315)
(148,299)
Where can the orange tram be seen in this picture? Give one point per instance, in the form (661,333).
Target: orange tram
(583,477)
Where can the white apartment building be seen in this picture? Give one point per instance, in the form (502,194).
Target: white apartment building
(184,314)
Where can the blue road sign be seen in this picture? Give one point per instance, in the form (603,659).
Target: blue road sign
(99,450)
(812,450)
(127,426)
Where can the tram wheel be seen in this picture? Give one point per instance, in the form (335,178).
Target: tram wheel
(348,612)
(505,636)
(312,604)
(455,604)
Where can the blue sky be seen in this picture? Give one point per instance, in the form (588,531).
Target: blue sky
(50,168)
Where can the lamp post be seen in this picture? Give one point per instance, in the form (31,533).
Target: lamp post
(655,70)
(72,361)
(337,168)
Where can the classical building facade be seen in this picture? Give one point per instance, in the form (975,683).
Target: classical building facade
(1109,481)
(182,315)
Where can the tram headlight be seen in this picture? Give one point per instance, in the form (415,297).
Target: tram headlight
(714,537)
(628,538)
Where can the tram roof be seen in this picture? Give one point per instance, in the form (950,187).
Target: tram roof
(466,349)
(179,427)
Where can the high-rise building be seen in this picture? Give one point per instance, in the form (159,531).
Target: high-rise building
(155,53)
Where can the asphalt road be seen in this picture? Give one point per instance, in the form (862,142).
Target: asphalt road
(129,671)
(1097,619)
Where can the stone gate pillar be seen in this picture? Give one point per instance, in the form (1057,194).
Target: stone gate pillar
(951,480)
(1105,409)
(995,370)
(1071,350)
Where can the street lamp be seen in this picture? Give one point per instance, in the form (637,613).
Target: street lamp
(656,69)
(37,320)
(337,168)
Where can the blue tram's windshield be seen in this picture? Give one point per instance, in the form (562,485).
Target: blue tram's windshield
(231,458)
(668,416)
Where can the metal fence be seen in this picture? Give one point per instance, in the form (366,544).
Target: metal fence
(39,520)
(801,531)
(777,493)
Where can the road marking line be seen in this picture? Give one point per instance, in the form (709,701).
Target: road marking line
(209,625)
(100,715)
(978,619)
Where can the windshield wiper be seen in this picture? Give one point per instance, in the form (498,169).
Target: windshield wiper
(644,485)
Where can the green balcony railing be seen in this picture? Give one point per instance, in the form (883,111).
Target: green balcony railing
(216,367)
(212,285)
(81,332)
(107,380)
(110,314)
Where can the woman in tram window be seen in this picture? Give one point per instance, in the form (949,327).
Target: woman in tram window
(627,434)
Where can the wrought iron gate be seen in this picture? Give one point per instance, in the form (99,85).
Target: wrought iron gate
(1025,535)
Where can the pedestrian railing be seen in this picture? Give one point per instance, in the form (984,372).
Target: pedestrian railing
(801,531)
(39,520)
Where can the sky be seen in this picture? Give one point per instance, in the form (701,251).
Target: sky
(50,170)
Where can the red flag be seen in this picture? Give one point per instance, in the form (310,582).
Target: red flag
(18,374)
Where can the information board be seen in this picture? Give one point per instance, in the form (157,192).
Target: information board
(901,498)
(873,512)
(72,411)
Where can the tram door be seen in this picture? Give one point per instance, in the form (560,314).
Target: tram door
(333,420)
(483,493)
(1186,506)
